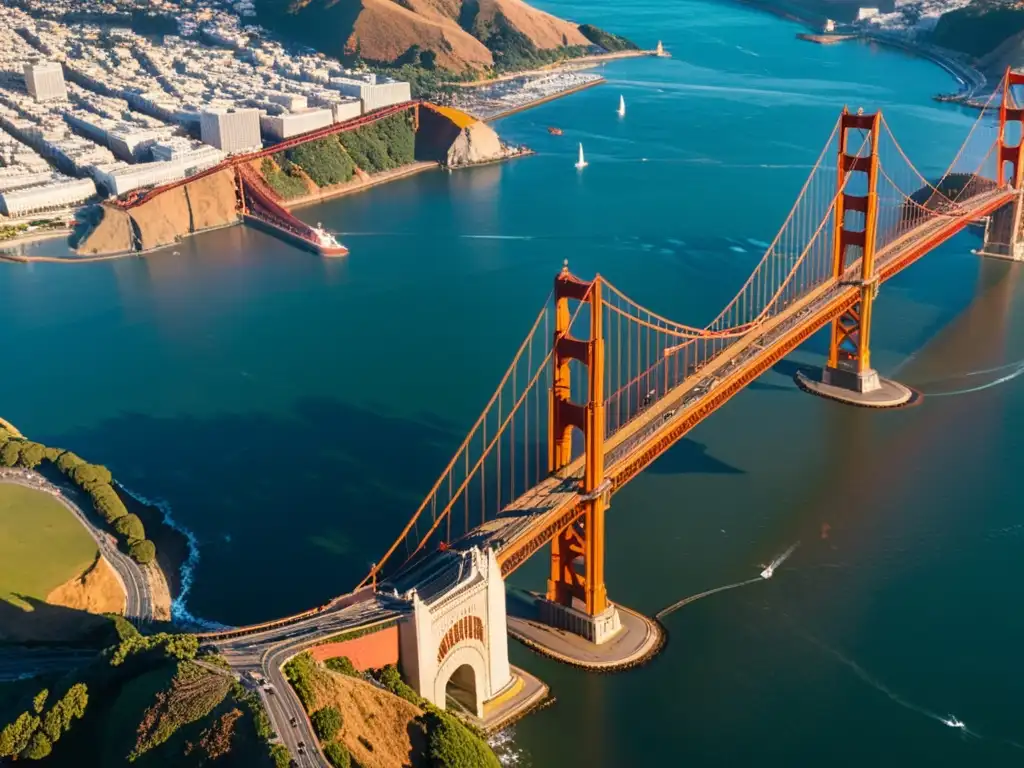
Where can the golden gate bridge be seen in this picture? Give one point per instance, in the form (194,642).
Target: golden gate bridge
(602,386)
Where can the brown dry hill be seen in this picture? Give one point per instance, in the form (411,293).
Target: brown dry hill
(375,717)
(384,31)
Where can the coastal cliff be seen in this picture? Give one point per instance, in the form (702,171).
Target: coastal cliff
(203,204)
(315,170)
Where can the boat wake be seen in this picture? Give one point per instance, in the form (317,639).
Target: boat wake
(769,570)
(700,596)
(179,611)
(1015,370)
(496,237)
(950,722)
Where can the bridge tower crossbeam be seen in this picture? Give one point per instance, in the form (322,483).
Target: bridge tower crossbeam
(578,599)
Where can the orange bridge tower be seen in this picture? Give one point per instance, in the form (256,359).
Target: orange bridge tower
(577,599)
(848,375)
(1003,236)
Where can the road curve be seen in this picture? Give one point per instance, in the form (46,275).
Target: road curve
(138,599)
(266,652)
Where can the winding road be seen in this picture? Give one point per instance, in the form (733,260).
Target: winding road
(138,598)
(266,652)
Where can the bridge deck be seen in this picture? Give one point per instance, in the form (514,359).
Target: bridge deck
(534,518)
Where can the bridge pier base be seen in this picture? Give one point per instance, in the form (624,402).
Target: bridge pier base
(597,629)
(847,385)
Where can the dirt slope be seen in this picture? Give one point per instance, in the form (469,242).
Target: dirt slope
(373,717)
(385,30)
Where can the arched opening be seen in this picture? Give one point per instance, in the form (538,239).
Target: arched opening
(461,690)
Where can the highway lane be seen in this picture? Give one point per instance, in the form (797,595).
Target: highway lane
(267,651)
(139,601)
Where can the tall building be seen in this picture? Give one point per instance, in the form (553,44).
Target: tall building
(230,129)
(45,80)
(374,91)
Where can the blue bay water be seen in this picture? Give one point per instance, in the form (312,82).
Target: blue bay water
(293,411)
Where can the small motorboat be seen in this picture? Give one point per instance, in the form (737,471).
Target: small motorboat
(554,131)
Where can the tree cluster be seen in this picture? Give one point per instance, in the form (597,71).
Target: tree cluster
(193,695)
(607,40)
(326,722)
(300,672)
(337,755)
(284,178)
(514,51)
(32,735)
(323,160)
(182,647)
(342,665)
(93,479)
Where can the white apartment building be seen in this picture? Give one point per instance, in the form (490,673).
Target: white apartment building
(119,178)
(372,90)
(45,81)
(293,102)
(278,127)
(230,130)
(56,194)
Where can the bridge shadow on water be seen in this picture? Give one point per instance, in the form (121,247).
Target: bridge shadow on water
(288,509)
(690,457)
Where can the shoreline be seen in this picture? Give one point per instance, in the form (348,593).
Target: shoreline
(34,237)
(543,100)
(972,81)
(351,187)
(583,62)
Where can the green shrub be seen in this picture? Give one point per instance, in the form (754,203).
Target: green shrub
(31,454)
(10,453)
(337,755)
(16,736)
(107,502)
(39,701)
(343,665)
(38,748)
(279,754)
(67,462)
(607,40)
(281,181)
(86,475)
(326,722)
(300,672)
(130,527)
(52,454)
(450,744)
(142,552)
(392,680)
(323,160)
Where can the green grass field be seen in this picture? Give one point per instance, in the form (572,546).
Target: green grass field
(42,545)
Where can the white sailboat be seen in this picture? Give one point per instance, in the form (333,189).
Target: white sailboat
(581,163)
(622,106)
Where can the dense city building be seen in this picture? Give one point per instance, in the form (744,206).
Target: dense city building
(116,109)
(231,130)
(45,81)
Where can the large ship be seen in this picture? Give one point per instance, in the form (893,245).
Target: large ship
(326,243)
